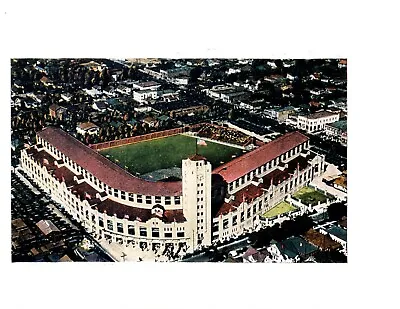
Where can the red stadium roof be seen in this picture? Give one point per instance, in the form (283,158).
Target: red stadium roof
(263,154)
(105,170)
(143,214)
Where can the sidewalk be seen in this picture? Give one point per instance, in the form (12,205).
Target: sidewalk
(130,254)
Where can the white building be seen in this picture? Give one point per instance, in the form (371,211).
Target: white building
(205,206)
(87,127)
(317,121)
(143,96)
(146,85)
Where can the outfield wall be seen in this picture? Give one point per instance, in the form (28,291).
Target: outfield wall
(146,137)
(137,139)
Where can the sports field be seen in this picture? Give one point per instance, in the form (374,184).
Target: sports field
(167,152)
(311,196)
(281,208)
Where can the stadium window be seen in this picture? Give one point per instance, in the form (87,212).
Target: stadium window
(271,195)
(242,216)
(123,195)
(254,208)
(143,231)
(158,199)
(120,228)
(93,218)
(139,198)
(177,200)
(110,225)
(130,197)
(180,234)
(148,199)
(167,200)
(155,232)
(248,213)
(115,193)
(168,235)
(131,229)
(234,220)
(231,186)
(109,191)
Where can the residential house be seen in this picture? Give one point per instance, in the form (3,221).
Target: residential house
(342,63)
(151,85)
(323,242)
(100,106)
(290,250)
(254,256)
(337,130)
(46,81)
(66,96)
(56,111)
(87,127)
(143,96)
(93,92)
(125,90)
(339,235)
(150,121)
(47,227)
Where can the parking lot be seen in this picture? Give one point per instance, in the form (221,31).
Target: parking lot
(29,243)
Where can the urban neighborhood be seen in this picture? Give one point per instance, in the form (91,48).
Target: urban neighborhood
(179,160)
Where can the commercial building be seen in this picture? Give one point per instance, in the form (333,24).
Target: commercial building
(205,206)
(317,121)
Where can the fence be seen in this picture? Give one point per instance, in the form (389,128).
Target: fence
(136,139)
(146,137)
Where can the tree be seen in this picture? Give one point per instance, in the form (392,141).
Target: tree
(195,74)
(337,210)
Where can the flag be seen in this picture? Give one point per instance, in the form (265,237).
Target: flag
(201,142)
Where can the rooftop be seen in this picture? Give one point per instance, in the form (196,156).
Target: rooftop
(341,125)
(321,114)
(338,232)
(46,226)
(141,214)
(105,170)
(87,125)
(263,154)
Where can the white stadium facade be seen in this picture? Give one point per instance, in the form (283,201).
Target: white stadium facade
(207,205)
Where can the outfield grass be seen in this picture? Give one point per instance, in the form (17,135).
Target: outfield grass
(311,196)
(281,208)
(167,152)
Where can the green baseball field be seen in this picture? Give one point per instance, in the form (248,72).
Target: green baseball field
(167,152)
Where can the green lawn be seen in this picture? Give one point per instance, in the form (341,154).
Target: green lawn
(148,156)
(281,208)
(311,196)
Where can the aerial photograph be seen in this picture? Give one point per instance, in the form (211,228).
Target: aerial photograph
(179,160)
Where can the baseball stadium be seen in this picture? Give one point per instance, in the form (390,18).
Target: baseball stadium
(170,192)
